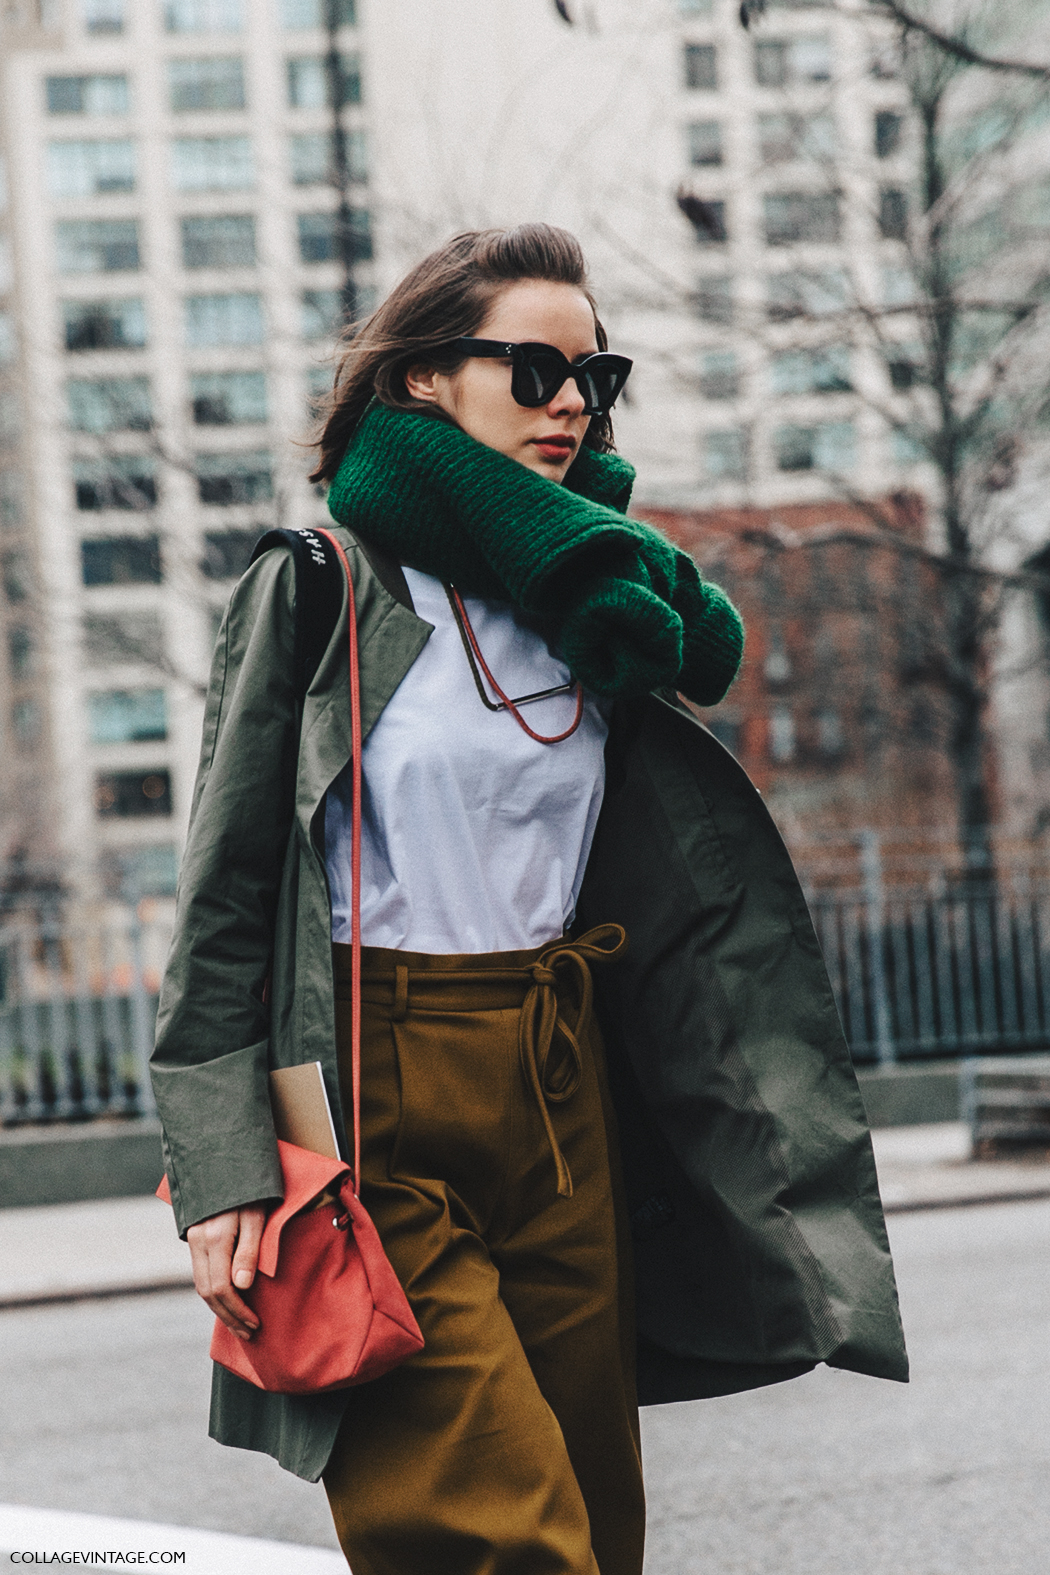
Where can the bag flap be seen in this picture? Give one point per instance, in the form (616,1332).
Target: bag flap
(306,1175)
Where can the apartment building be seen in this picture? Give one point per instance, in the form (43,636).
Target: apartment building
(171,238)
(170,226)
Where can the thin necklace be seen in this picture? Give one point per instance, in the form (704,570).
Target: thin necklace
(475,658)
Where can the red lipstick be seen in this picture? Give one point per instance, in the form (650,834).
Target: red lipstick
(554,446)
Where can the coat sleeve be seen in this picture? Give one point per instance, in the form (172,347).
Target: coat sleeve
(211,1060)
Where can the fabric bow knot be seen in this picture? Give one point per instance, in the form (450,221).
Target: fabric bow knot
(548,1039)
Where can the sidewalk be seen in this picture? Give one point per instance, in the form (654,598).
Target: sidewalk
(45,1532)
(930,1168)
(59,1252)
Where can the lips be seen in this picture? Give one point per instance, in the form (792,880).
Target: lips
(556,445)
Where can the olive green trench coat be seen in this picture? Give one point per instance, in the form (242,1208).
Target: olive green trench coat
(760,1246)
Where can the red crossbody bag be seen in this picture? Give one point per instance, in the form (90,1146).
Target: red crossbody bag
(331,1310)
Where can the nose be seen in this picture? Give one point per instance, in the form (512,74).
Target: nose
(568,401)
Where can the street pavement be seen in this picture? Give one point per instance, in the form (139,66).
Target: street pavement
(103,1407)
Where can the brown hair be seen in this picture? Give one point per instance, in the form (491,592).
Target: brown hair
(447,296)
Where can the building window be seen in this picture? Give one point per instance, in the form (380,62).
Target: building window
(25,722)
(781,735)
(831,735)
(705,142)
(700,65)
(212,164)
(223,320)
(10,418)
(783,138)
(227,479)
(893,214)
(123,481)
(829,446)
(318,388)
(726,729)
(87,95)
(102,17)
(320,236)
(725,454)
(225,241)
(21,653)
(707,218)
(817,371)
(224,399)
(311,156)
(90,169)
(109,404)
(806,294)
(714,299)
(908,445)
(297,15)
(898,287)
(127,716)
(121,560)
(227,553)
(203,16)
(134,873)
(8,339)
(97,245)
(695,8)
(112,324)
(888,130)
(131,794)
(904,365)
(720,375)
(213,83)
(310,81)
(17,579)
(791,216)
(11,512)
(322,314)
(792,62)
(120,639)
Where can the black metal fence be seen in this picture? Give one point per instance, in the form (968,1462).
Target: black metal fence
(77,1013)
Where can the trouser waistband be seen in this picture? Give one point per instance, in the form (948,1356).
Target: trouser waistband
(551,986)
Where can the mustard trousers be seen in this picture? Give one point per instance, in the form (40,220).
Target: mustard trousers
(509,1445)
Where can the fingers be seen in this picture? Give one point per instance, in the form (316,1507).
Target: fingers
(213,1244)
(246,1256)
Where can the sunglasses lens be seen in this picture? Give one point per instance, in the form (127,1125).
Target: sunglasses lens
(544,376)
(539,374)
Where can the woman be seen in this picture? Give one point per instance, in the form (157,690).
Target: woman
(507,849)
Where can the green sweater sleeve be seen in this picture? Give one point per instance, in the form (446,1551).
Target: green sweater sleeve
(210,1065)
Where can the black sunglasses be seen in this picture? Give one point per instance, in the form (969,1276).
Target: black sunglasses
(539,371)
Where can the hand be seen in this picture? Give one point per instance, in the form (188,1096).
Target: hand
(225,1252)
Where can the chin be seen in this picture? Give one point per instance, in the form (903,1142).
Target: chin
(553,470)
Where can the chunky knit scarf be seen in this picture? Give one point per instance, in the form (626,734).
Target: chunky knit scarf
(628,611)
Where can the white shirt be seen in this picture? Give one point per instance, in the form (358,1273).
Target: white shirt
(474,837)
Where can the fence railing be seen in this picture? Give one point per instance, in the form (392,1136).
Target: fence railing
(938,967)
(920,974)
(77,1014)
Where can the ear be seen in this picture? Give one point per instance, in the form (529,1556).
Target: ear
(420,382)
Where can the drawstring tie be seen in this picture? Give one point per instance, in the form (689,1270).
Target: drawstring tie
(548,1042)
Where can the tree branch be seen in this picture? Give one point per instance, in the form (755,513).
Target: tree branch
(958,48)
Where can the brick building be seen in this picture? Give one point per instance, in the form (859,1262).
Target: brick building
(839,714)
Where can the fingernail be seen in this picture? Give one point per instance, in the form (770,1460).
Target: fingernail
(242,1279)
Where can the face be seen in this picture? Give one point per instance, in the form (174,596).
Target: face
(478,398)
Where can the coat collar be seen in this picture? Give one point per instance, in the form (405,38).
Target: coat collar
(390,637)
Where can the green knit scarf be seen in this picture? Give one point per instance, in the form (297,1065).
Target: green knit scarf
(628,611)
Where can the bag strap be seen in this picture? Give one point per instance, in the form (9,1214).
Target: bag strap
(355,858)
